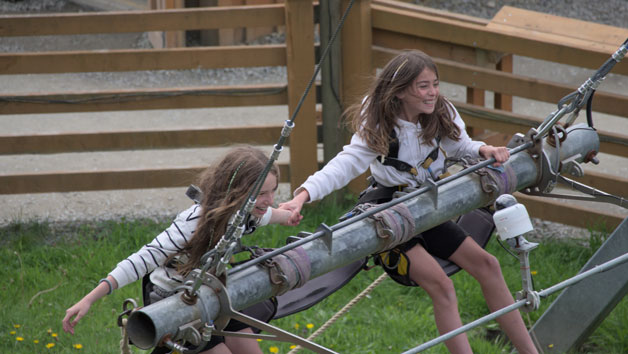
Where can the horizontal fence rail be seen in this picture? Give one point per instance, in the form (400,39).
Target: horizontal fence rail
(143,21)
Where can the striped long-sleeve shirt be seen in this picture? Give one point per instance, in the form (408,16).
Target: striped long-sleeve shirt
(152,256)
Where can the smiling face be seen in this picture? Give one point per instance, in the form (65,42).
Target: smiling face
(266,196)
(420,96)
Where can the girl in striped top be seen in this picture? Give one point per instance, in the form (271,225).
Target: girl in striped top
(178,249)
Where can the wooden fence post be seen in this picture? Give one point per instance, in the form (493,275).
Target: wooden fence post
(300,67)
(504,101)
(334,135)
(357,63)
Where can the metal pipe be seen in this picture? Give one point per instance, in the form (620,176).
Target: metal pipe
(147,326)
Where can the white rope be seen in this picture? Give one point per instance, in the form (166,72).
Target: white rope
(342,311)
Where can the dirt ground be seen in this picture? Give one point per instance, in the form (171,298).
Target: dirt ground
(165,203)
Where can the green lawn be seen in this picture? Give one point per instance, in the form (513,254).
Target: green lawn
(47,269)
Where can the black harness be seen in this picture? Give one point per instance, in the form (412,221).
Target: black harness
(393,153)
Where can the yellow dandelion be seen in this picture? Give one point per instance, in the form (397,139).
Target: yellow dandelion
(551,346)
(259,339)
(534,272)
(273,350)
(19,339)
(296,326)
(293,346)
(50,345)
(36,341)
(78,346)
(12,333)
(309,326)
(17,326)
(54,335)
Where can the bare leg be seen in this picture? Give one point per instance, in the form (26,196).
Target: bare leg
(485,268)
(425,271)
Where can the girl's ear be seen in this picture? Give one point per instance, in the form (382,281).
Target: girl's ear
(401,95)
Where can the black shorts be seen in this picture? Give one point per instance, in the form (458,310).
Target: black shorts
(441,241)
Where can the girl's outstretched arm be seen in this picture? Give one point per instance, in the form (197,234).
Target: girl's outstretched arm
(285,217)
(81,308)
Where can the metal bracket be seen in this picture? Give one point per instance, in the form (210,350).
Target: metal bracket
(433,191)
(547,179)
(327,237)
(572,167)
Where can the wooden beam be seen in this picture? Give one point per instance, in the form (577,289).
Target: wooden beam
(435,48)
(142,21)
(431,11)
(135,140)
(562,212)
(146,99)
(502,101)
(578,52)
(106,180)
(144,59)
(512,84)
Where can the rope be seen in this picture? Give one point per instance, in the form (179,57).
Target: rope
(124,342)
(342,311)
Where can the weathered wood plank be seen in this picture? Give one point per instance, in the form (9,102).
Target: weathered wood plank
(143,59)
(526,21)
(63,181)
(146,99)
(142,21)
(137,140)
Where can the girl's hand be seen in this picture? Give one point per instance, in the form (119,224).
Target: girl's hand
(294,219)
(296,204)
(285,217)
(500,153)
(79,310)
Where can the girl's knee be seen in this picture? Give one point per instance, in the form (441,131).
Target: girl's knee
(441,290)
(488,265)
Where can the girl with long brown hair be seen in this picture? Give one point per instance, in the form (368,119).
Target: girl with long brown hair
(404,130)
(176,251)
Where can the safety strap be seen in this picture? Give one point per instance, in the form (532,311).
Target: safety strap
(393,152)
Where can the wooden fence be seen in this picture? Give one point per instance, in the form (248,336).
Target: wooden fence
(471,52)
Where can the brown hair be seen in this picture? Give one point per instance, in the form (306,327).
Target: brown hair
(225,185)
(375,117)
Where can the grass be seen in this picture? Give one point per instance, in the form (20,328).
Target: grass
(46,269)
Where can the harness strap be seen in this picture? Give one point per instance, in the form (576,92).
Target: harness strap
(393,152)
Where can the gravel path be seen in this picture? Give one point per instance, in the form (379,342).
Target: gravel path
(164,203)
